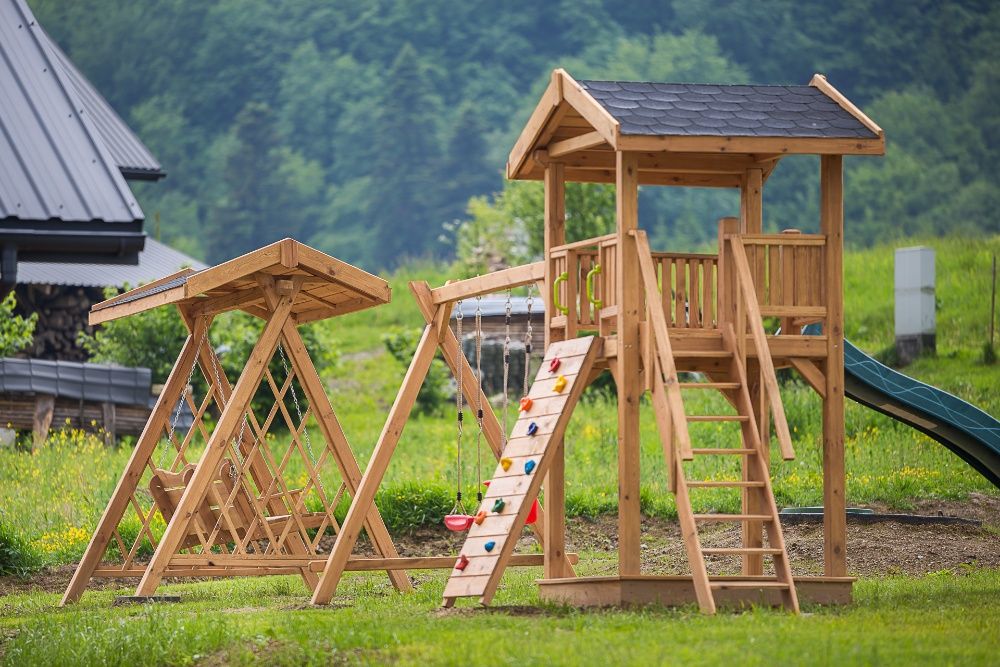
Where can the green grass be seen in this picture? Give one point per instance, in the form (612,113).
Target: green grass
(942,619)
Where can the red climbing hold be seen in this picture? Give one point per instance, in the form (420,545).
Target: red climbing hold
(462,563)
(554,364)
(532,513)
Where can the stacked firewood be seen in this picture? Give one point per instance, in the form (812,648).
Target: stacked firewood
(62,314)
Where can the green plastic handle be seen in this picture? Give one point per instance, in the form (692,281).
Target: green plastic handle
(563,277)
(596,271)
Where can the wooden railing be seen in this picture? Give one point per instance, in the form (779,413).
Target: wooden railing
(687,289)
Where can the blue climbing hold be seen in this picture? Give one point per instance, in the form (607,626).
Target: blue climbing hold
(489,545)
(532,428)
(529,466)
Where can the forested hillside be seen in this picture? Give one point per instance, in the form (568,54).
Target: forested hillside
(365,127)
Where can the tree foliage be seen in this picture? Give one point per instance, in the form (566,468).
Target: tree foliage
(365,128)
(16,332)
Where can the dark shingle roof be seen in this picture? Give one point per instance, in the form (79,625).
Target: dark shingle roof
(692,109)
(127,150)
(54,165)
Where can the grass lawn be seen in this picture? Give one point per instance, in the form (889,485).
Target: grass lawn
(942,619)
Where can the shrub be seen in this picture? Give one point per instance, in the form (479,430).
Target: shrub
(16,332)
(436,392)
(17,556)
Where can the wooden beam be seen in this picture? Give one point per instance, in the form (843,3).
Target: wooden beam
(595,114)
(526,142)
(834,475)
(777,145)
(578,143)
(679,179)
(629,382)
(810,373)
(492,282)
(124,309)
(819,81)
(679,163)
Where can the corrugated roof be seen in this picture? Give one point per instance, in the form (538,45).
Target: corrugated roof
(155,261)
(53,163)
(693,109)
(127,150)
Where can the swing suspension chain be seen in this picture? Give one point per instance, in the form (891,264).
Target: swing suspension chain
(298,408)
(233,472)
(479,398)
(506,367)
(458,411)
(527,343)
(180,401)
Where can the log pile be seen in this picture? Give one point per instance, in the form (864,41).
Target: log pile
(62,314)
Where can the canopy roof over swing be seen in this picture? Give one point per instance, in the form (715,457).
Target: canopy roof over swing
(329,287)
(687,134)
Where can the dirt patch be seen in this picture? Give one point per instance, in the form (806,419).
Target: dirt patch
(873,548)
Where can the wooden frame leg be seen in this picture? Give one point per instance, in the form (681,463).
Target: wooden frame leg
(334,434)
(371,480)
(144,448)
(206,468)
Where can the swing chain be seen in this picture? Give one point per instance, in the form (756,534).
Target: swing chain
(527,343)
(479,398)
(458,411)
(180,401)
(506,367)
(298,408)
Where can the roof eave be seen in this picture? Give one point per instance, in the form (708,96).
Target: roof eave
(754,145)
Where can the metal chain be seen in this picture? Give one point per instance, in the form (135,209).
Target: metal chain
(506,367)
(527,344)
(295,399)
(458,410)
(479,398)
(180,401)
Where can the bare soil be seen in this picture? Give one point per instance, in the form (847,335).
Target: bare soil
(873,548)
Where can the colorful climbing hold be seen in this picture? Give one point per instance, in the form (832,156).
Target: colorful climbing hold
(505,463)
(462,563)
(489,545)
(560,384)
(480,517)
(498,505)
(525,404)
(532,513)
(529,467)
(554,364)
(532,428)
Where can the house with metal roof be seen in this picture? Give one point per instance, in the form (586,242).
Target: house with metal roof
(65,156)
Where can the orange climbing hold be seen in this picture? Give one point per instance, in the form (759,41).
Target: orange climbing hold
(480,517)
(525,404)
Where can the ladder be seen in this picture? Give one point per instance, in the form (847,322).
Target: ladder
(517,479)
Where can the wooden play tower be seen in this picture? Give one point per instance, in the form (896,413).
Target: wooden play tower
(614,305)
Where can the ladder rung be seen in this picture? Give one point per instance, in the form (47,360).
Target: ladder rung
(702,354)
(721,585)
(741,551)
(733,517)
(718,418)
(717,484)
(723,450)
(710,385)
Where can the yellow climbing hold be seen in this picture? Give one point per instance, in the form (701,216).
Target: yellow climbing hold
(505,463)
(560,384)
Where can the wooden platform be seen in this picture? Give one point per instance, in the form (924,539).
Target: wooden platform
(616,591)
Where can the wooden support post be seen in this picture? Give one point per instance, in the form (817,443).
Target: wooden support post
(834,483)
(752,222)
(144,448)
(377,465)
(207,466)
(42,421)
(629,299)
(554,528)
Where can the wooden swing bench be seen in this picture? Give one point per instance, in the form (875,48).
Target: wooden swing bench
(167,487)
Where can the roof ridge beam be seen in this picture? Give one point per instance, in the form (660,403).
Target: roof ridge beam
(820,82)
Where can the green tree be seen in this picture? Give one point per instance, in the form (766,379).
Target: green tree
(16,331)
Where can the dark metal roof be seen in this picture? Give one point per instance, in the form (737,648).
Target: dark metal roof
(155,261)
(53,163)
(127,150)
(692,109)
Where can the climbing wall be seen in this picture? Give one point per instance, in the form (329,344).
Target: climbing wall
(514,488)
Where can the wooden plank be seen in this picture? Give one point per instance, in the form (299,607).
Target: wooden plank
(141,453)
(142,288)
(239,267)
(629,382)
(497,281)
(834,488)
(811,373)
(785,238)
(42,420)
(752,145)
(602,121)
(525,144)
(120,310)
(336,271)
(819,81)
(694,294)
(578,143)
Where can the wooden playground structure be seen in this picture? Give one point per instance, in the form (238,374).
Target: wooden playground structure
(611,305)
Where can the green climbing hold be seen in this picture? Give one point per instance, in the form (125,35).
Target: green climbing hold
(498,505)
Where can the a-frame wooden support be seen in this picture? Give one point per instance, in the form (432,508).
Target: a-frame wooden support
(436,335)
